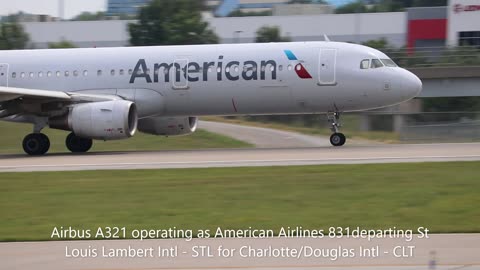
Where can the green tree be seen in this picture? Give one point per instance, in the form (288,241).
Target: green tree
(171,22)
(270,34)
(89,16)
(12,36)
(387,5)
(379,44)
(240,13)
(64,44)
(353,7)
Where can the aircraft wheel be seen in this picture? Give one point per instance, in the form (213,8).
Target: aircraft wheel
(78,145)
(338,139)
(36,144)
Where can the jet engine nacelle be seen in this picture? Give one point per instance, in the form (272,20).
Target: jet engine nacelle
(168,126)
(109,120)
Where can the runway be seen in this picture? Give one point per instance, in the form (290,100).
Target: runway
(349,154)
(446,251)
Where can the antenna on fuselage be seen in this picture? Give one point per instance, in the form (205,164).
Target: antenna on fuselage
(326,38)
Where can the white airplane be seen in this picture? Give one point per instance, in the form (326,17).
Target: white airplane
(109,93)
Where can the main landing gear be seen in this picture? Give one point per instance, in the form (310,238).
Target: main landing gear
(337,138)
(78,145)
(37,144)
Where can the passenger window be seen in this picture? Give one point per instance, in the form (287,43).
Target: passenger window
(85,73)
(75,73)
(58,74)
(280,68)
(67,73)
(364,64)
(99,73)
(122,72)
(290,67)
(130,72)
(31,74)
(14,75)
(49,74)
(40,74)
(22,75)
(376,63)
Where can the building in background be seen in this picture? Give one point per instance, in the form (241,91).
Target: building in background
(125,7)
(348,27)
(26,17)
(464,23)
(427,29)
(416,28)
(302,9)
(226,7)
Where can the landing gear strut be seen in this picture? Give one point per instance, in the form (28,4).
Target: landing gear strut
(78,145)
(337,138)
(36,144)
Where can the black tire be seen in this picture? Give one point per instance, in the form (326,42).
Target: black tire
(338,139)
(78,145)
(46,143)
(36,144)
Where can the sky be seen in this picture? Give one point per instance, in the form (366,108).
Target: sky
(50,7)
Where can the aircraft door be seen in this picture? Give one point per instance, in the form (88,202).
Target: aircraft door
(179,94)
(179,76)
(327,67)
(3,74)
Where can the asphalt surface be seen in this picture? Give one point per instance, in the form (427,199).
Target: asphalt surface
(450,251)
(349,154)
(265,137)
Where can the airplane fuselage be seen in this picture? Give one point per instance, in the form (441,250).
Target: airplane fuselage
(238,79)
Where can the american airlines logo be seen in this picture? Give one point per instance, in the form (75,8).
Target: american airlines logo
(299,68)
(232,71)
(458,8)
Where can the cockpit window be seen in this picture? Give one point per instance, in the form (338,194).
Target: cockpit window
(376,63)
(365,64)
(389,63)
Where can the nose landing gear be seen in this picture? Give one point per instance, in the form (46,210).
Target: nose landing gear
(337,138)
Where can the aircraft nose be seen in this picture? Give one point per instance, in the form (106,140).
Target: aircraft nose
(413,85)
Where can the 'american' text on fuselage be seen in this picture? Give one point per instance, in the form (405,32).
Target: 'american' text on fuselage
(194,72)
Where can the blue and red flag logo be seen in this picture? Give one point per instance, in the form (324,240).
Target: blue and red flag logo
(299,68)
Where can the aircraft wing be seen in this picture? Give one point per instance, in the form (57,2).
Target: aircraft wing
(11,98)
(11,93)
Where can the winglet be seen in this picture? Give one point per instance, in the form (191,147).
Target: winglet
(326,38)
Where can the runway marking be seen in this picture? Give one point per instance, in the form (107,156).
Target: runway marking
(236,161)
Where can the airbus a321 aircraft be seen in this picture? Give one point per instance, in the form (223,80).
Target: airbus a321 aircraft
(109,93)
